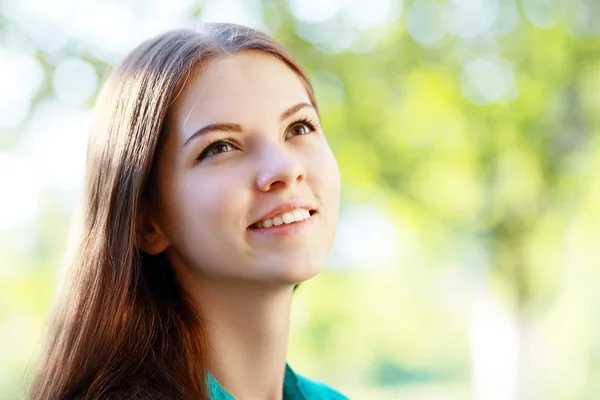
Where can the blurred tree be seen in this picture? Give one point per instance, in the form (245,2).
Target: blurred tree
(470,138)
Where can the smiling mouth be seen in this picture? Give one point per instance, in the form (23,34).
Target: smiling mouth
(286,218)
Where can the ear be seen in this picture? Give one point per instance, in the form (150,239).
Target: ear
(149,236)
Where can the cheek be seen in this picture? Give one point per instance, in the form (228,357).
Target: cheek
(205,208)
(326,175)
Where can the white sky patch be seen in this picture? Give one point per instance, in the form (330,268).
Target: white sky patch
(49,10)
(315,33)
(494,343)
(233,11)
(366,238)
(47,37)
(20,191)
(74,81)
(343,38)
(372,13)
(508,18)
(315,11)
(488,80)
(21,76)
(55,140)
(110,28)
(469,18)
(423,22)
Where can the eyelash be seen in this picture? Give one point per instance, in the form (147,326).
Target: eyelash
(214,143)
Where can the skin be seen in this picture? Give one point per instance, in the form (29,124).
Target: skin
(201,214)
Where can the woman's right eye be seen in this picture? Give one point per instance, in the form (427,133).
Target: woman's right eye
(217,147)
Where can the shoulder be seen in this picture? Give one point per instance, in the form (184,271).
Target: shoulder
(312,389)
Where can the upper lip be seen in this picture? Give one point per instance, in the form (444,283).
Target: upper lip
(285,207)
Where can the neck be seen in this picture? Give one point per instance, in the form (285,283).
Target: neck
(247,327)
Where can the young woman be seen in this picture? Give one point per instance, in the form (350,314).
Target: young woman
(210,193)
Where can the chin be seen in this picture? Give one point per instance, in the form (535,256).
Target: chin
(300,275)
(290,272)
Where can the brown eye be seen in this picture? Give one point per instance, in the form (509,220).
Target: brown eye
(216,148)
(300,128)
(220,148)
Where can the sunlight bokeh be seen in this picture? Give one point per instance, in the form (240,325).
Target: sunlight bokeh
(468,138)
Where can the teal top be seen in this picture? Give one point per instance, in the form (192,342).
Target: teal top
(295,387)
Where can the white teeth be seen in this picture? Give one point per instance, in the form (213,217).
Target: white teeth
(277,221)
(296,215)
(287,218)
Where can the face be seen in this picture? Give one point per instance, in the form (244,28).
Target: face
(246,186)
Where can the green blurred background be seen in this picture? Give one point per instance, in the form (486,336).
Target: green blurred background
(466,263)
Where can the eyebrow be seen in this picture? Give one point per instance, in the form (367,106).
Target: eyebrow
(229,127)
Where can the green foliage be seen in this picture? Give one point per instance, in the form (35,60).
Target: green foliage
(506,193)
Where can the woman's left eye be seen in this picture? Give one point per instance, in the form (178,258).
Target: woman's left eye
(216,147)
(299,128)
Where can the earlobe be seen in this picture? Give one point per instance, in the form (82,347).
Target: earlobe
(149,237)
(153,244)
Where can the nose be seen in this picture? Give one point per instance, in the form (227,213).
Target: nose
(279,168)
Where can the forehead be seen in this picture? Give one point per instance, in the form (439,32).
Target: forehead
(237,88)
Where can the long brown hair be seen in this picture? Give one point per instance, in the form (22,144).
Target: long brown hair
(123,327)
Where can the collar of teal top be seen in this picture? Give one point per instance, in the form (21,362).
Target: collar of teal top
(295,387)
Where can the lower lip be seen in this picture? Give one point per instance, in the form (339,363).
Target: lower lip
(284,229)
